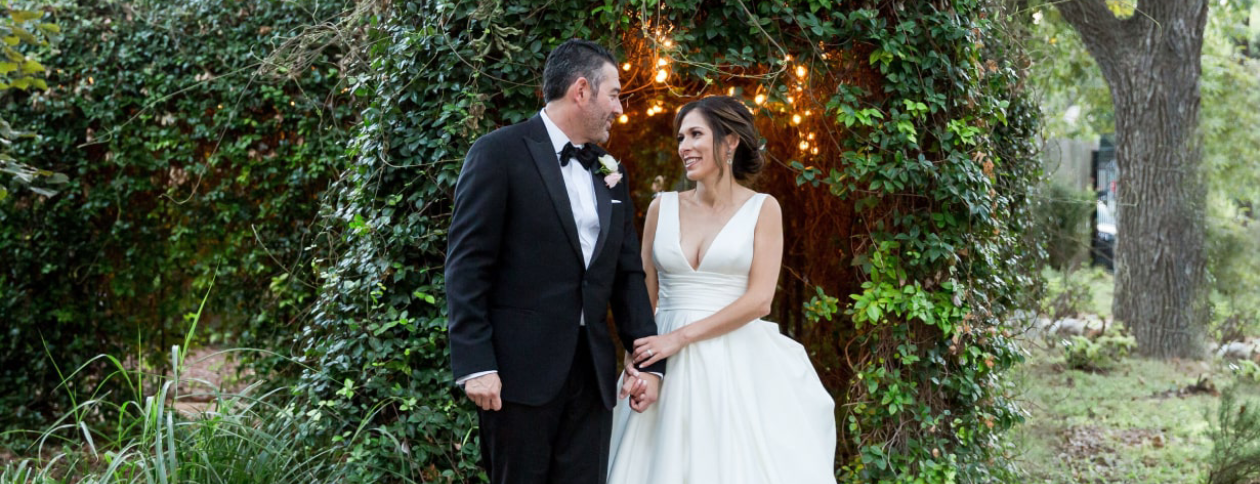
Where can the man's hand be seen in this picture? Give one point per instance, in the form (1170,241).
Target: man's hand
(484,391)
(647,393)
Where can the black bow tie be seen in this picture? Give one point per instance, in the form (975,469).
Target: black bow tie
(585,155)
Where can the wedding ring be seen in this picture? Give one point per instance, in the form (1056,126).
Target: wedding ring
(650,353)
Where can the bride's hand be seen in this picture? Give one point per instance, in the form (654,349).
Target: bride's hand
(631,383)
(649,350)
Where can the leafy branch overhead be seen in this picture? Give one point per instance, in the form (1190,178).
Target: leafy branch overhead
(23,31)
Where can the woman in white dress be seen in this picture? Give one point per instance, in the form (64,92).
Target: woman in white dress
(741,403)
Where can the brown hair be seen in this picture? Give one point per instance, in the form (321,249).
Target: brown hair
(726,115)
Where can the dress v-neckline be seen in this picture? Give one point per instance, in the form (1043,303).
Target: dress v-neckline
(678,225)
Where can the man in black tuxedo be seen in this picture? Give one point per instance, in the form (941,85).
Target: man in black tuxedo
(541,242)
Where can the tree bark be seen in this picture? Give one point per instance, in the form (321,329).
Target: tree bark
(1152,64)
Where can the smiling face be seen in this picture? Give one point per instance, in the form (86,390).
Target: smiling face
(698,149)
(603,106)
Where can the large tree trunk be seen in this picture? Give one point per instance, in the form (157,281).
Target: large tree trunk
(1152,64)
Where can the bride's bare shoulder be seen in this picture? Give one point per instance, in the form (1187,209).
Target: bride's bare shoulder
(770,207)
(655,205)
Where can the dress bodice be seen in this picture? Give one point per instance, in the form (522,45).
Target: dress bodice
(722,274)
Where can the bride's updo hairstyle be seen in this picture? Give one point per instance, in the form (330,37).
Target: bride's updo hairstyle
(726,115)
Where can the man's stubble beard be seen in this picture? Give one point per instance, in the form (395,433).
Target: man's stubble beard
(595,125)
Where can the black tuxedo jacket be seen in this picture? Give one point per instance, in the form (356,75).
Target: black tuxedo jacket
(515,278)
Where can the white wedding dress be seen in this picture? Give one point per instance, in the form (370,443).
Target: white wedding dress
(742,408)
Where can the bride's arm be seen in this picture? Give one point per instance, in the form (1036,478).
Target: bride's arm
(649,237)
(755,303)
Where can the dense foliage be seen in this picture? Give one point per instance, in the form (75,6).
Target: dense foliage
(187,162)
(929,144)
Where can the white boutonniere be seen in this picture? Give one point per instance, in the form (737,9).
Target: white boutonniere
(609,167)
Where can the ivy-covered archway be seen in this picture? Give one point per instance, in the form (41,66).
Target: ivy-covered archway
(900,148)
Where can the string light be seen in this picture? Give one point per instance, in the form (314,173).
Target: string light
(669,43)
(625,67)
(730,92)
(791,99)
(761,98)
(814,150)
(662,62)
(800,71)
(811,136)
(623,119)
(804,145)
(796,119)
(661,75)
(809,112)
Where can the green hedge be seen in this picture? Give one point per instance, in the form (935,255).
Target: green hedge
(186,166)
(931,149)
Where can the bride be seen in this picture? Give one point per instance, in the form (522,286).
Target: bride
(741,402)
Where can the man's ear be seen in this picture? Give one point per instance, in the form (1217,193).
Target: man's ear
(580,90)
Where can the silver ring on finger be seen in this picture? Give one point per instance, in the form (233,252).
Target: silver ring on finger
(650,353)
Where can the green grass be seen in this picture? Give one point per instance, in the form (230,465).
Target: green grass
(1116,427)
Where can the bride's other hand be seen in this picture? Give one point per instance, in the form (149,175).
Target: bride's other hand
(649,350)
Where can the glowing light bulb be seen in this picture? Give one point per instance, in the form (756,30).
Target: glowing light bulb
(669,43)
(796,119)
(761,98)
(787,58)
(662,62)
(623,119)
(625,67)
(730,92)
(814,150)
(661,75)
(791,99)
(811,137)
(800,71)
(809,112)
(651,112)
(804,145)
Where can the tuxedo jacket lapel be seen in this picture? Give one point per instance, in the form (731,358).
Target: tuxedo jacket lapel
(603,204)
(548,165)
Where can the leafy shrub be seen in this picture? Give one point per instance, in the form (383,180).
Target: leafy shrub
(1100,353)
(1073,293)
(1061,224)
(1246,370)
(1233,244)
(184,165)
(1235,434)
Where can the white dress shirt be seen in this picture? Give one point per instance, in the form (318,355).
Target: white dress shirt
(579,182)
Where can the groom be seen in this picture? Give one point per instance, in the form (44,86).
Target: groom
(541,243)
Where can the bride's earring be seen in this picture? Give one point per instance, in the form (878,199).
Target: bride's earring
(730,158)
